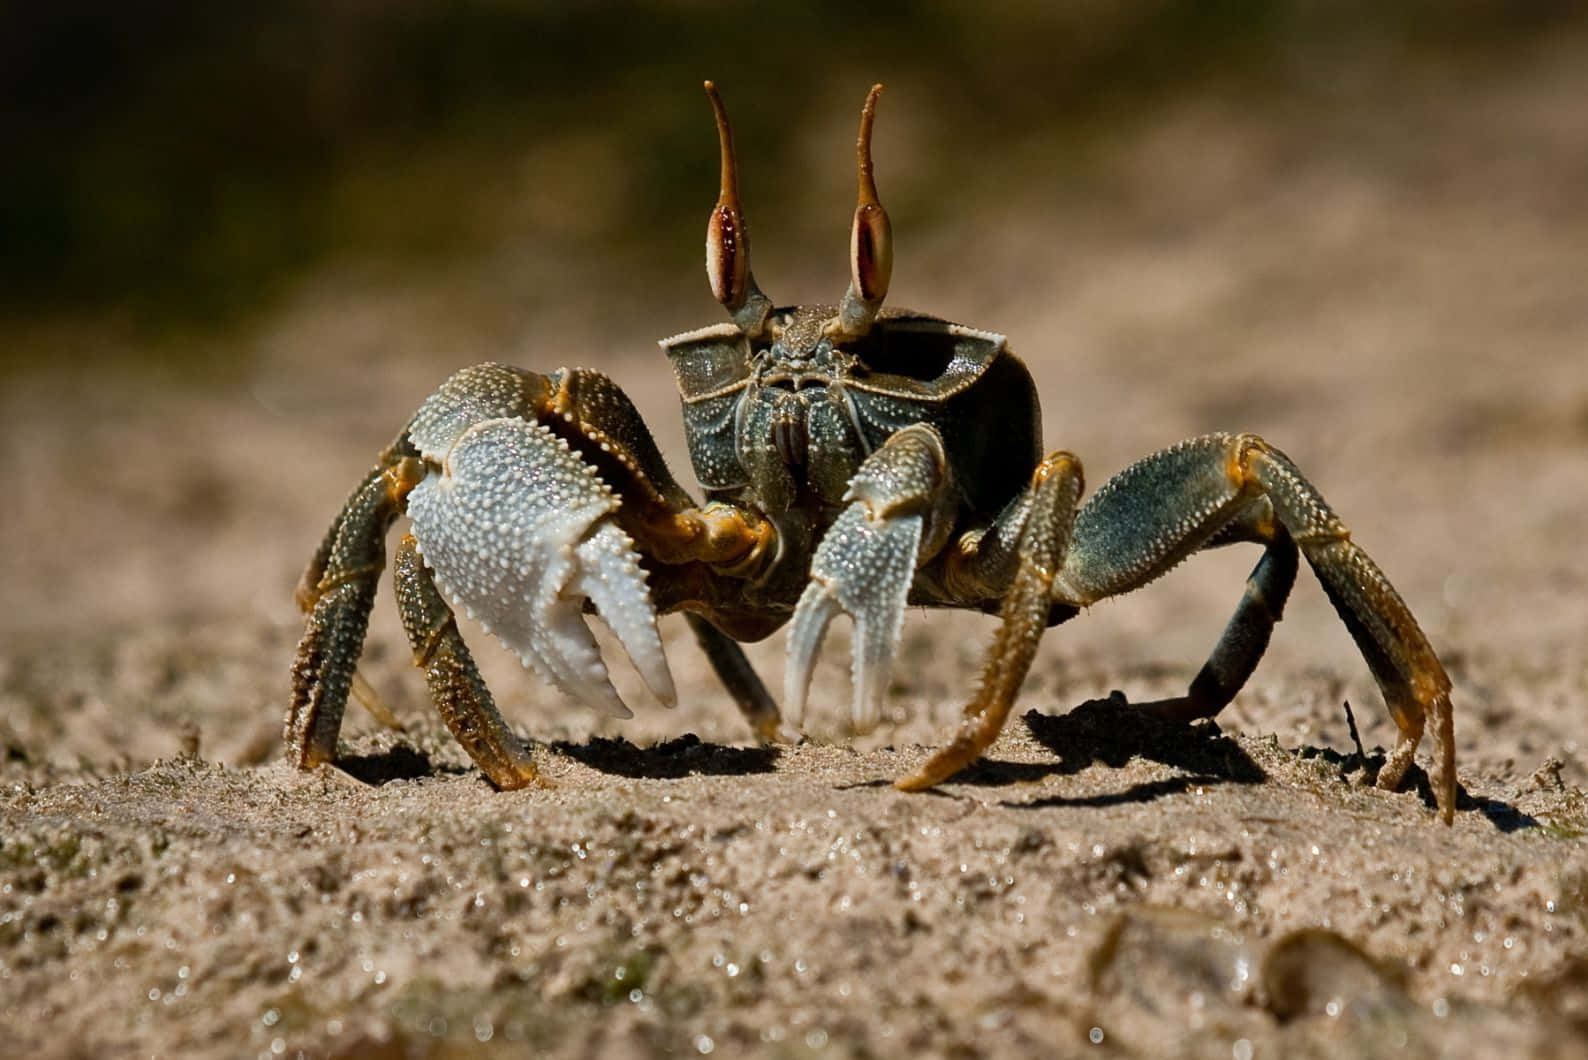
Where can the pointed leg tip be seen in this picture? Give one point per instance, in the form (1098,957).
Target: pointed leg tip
(1447,791)
(774,730)
(945,764)
(308,757)
(521,777)
(932,773)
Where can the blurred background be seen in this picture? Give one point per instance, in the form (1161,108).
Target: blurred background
(240,243)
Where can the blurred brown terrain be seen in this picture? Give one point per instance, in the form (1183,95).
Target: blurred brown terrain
(238,248)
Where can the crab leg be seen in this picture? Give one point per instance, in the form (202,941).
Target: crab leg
(455,684)
(338,590)
(1246,635)
(1043,539)
(740,679)
(1158,511)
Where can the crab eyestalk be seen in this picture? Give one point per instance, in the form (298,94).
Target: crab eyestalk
(870,239)
(728,242)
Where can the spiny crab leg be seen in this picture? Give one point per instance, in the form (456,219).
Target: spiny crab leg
(519,533)
(1045,527)
(459,694)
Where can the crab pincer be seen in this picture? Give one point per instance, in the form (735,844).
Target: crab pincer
(863,569)
(865,565)
(520,533)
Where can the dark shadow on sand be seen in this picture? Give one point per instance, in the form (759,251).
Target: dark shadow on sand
(401,762)
(1112,732)
(1145,792)
(1504,816)
(686,755)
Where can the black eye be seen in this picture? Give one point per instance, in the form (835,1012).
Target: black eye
(922,355)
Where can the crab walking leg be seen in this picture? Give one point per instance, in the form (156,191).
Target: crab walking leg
(338,590)
(1414,684)
(456,687)
(1161,509)
(740,679)
(897,518)
(1246,635)
(1044,537)
(307,594)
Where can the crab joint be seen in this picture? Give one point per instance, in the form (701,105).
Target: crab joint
(731,540)
(727,241)
(870,238)
(399,479)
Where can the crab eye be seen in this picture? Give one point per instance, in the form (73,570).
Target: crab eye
(727,255)
(871,252)
(727,242)
(870,237)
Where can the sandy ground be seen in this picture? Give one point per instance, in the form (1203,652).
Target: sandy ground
(1393,292)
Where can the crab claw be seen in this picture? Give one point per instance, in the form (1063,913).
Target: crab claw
(863,568)
(519,533)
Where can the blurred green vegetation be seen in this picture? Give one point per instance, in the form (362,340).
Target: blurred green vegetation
(182,160)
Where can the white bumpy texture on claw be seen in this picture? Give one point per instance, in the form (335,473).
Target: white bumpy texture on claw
(517,530)
(863,568)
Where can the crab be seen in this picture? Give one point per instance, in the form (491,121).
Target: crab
(855,460)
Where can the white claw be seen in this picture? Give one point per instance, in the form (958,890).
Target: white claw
(863,568)
(518,532)
(872,664)
(610,576)
(816,610)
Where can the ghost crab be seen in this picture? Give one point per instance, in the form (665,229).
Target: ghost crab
(855,459)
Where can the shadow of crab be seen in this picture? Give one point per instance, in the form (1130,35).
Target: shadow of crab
(399,762)
(1111,732)
(681,757)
